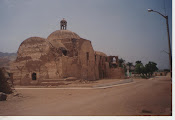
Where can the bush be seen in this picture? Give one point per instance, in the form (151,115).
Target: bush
(4,86)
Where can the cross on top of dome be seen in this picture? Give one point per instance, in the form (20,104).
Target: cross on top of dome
(63,24)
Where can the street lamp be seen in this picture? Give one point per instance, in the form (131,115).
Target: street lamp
(170,56)
(150,10)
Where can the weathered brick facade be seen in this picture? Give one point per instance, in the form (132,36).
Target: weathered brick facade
(63,54)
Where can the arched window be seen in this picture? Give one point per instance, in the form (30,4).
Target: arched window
(114,60)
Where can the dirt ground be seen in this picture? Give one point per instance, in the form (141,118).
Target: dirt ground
(77,83)
(140,97)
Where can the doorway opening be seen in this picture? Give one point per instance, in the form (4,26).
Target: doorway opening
(33,76)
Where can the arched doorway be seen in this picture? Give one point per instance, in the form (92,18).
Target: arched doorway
(33,76)
(114,60)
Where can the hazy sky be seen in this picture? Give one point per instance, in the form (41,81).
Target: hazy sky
(117,27)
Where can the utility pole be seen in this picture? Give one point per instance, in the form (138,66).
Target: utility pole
(169,44)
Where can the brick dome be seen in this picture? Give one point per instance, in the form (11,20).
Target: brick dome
(33,41)
(63,34)
(33,47)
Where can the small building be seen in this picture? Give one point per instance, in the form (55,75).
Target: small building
(160,73)
(61,55)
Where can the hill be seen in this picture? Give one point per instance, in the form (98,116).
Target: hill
(6,58)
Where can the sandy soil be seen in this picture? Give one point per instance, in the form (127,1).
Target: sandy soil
(141,97)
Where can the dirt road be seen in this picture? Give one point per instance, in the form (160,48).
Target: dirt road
(142,97)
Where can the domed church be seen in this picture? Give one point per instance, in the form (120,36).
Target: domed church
(61,55)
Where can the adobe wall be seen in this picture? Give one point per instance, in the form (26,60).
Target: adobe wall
(87,60)
(106,67)
(100,65)
(116,73)
(75,63)
(97,59)
(22,72)
(159,73)
(70,67)
(35,56)
(39,59)
(52,64)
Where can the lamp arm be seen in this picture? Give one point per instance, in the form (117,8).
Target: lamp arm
(161,14)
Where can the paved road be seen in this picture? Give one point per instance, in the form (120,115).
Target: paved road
(143,97)
(112,84)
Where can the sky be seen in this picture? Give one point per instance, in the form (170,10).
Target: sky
(123,28)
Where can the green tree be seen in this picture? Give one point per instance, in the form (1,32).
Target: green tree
(138,62)
(144,71)
(129,64)
(147,70)
(151,67)
(121,62)
(139,67)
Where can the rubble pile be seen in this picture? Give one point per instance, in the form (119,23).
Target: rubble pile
(5,88)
